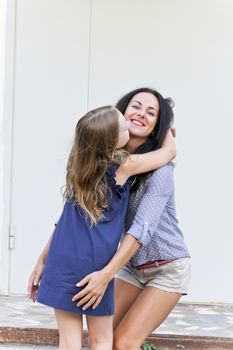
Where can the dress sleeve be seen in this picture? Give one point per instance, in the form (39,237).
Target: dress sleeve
(152,205)
(111,174)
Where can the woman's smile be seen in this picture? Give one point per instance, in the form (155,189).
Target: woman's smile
(136,121)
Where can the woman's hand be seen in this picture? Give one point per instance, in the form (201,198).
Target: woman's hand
(35,279)
(92,294)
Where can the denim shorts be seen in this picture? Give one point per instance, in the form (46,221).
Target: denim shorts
(171,277)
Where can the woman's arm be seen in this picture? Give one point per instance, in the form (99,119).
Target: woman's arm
(36,274)
(141,163)
(146,219)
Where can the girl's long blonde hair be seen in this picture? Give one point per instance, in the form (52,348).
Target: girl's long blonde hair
(93,150)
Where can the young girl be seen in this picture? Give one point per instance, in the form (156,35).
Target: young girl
(89,229)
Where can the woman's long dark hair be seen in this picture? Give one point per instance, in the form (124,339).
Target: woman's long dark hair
(164,122)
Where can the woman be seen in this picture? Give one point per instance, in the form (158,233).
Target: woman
(145,295)
(158,272)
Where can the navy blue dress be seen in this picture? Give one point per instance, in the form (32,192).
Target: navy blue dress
(77,249)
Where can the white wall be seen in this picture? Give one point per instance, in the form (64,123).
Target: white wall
(2,79)
(183,48)
(7,20)
(50,94)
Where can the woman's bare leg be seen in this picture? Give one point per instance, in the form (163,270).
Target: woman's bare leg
(125,295)
(100,329)
(70,330)
(148,311)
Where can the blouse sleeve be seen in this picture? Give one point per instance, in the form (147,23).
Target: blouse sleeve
(152,205)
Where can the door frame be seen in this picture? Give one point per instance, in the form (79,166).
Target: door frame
(8,9)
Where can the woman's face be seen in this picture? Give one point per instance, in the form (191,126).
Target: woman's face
(142,114)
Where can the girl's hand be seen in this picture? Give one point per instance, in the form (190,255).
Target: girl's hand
(35,279)
(169,142)
(92,294)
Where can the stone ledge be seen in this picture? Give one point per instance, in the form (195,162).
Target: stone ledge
(186,342)
(44,336)
(35,336)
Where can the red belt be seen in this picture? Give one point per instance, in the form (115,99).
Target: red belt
(156,263)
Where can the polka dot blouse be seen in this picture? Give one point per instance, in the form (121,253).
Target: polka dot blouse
(151,219)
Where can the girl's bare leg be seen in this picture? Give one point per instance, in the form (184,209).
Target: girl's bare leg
(100,329)
(70,330)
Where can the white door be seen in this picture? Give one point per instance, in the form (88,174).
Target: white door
(50,94)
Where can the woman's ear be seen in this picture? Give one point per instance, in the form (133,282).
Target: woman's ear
(173,130)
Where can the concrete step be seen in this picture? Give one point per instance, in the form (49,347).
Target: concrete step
(28,347)
(25,347)
(189,326)
(40,338)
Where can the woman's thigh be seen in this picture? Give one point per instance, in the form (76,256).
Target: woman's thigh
(148,311)
(125,294)
(70,330)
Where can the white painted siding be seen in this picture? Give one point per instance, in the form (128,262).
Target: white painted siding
(182,48)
